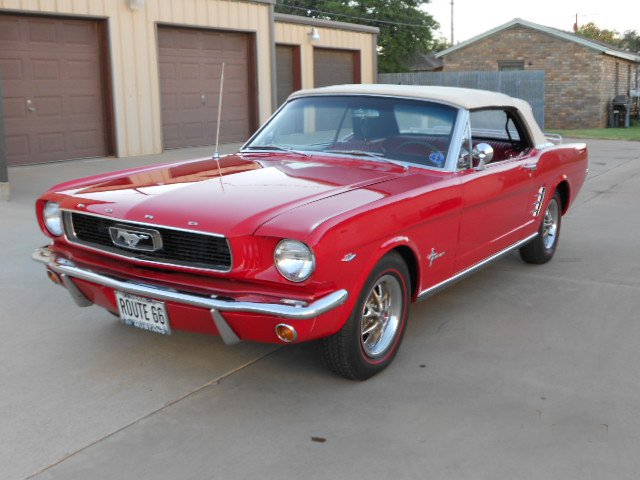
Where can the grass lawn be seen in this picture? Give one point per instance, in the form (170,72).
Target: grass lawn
(631,133)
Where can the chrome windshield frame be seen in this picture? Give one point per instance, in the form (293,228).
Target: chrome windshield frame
(462,121)
(462,117)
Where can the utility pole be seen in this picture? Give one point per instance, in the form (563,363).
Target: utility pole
(451,22)
(4,176)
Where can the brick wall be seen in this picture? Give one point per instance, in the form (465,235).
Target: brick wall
(617,79)
(579,81)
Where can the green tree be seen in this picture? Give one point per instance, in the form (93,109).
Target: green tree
(631,41)
(591,30)
(440,44)
(404,28)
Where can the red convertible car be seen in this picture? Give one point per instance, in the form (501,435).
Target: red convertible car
(349,203)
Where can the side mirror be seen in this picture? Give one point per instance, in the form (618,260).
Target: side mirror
(482,154)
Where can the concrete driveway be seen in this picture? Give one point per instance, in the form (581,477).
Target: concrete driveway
(520,372)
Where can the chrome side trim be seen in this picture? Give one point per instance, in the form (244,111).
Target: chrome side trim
(465,273)
(64,266)
(537,205)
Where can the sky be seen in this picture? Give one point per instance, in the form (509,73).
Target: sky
(473,17)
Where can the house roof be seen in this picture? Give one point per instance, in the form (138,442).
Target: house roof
(318,22)
(601,47)
(425,62)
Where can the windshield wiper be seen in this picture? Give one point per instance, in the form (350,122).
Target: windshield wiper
(364,153)
(277,148)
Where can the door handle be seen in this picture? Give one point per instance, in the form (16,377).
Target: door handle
(530,166)
(203,99)
(30,106)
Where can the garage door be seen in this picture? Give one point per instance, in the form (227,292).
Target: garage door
(335,67)
(287,71)
(52,80)
(190,66)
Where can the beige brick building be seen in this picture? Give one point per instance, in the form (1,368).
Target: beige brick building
(96,78)
(582,76)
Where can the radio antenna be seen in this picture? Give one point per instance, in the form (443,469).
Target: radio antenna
(216,154)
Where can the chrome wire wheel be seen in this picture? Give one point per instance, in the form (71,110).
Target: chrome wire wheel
(550,224)
(542,248)
(371,336)
(381,316)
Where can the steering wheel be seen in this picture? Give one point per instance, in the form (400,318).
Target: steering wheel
(436,157)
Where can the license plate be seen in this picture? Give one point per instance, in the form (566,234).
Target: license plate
(143,313)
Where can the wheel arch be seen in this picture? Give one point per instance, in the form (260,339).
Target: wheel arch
(564,190)
(411,260)
(408,252)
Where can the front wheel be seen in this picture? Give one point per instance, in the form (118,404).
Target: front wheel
(541,249)
(369,340)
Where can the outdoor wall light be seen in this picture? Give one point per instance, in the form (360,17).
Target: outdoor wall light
(135,4)
(314,34)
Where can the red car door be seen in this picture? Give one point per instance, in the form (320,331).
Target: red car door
(495,202)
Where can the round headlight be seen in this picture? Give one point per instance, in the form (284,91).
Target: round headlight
(53,218)
(294,260)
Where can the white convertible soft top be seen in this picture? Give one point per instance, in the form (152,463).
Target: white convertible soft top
(466,98)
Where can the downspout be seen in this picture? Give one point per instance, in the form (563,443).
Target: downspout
(272,48)
(5,191)
(374,40)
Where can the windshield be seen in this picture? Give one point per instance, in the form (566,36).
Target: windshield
(378,128)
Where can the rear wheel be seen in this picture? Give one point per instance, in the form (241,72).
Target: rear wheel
(370,338)
(541,249)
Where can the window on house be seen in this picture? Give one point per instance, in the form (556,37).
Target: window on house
(508,65)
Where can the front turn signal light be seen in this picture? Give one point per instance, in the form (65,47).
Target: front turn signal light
(286,333)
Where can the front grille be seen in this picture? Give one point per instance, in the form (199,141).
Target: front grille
(191,249)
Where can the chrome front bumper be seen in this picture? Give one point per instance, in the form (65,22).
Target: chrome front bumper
(68,270)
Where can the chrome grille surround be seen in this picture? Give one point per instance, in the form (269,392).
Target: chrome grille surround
(180,247)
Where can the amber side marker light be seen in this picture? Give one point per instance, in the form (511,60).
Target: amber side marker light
(286,333)
(53,276)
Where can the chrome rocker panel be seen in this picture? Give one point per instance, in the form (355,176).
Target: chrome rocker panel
(423,295)
(68,270)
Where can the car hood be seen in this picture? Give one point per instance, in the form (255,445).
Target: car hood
(246,190)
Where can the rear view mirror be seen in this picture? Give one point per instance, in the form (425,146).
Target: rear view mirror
(365,113)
